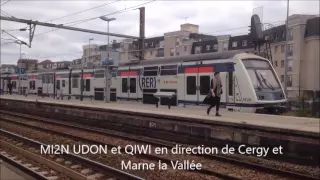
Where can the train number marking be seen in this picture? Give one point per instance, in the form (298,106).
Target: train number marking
(246,99)
(149,82)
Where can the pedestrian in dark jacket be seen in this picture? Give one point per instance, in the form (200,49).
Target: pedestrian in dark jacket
(216,91)
(10,88)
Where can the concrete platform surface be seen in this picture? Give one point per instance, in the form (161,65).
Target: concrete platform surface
(272,121)
(7,172)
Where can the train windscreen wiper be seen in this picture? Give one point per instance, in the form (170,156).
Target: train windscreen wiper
(265,82)
(260,86)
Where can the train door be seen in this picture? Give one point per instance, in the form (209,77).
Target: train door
(132,90)
(124,87)
(191,87)
(197,83)
(230,88)
(203,85)
(51,84)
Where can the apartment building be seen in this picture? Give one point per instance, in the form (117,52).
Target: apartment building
(91,55)
(176,43)
(30,65)
(46,64)
(7,68)
(303,54)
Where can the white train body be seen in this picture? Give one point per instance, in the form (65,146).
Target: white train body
(250,83)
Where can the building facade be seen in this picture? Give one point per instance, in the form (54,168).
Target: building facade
(30,65)
(91,55)
(46,64)
(7,68)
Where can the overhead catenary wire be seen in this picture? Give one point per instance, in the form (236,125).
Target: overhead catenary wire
(73,23)
(82,11)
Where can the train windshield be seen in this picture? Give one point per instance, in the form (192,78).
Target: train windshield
(261,74)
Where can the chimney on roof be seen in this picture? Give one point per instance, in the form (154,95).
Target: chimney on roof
(190,27)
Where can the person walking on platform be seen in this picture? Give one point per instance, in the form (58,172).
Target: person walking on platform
(216,91)
(9,85)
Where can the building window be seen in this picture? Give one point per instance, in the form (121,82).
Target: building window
(289,81)
(282,78)
(177,41)
(244,43)
(282,48)
(171,52)
(290,34)
(215,46)
(276,63)
(275,49)
(185,48)
(225,46)
(290,65)
(63,83)
(234,44)
(282,63)
(290,49)
(198,50)
(207,47)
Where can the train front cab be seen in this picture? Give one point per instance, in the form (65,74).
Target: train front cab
(269,93)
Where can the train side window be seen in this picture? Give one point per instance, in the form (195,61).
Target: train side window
(230,83)
(87,84)
(124,85)
(133,84)
(30,84)
(204,85)
(150,71)
(58,84)
(169,70)
(63,83)
(191,85)
(75,83)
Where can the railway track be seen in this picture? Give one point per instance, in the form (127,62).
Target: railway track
(251,165)
(24,152)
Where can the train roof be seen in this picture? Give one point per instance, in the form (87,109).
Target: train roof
(177,59)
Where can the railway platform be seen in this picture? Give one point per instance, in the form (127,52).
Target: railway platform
(7,172)
(281,123)
(298,136)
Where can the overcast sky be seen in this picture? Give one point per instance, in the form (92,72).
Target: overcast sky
(213,17)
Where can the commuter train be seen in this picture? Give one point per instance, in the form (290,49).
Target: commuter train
(250,84)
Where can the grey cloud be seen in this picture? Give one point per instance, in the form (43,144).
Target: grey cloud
(161,16)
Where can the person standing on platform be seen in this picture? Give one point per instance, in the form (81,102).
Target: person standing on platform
(216,91)
(9,85)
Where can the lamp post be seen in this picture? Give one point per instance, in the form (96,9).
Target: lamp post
(108,21)
(20,57)
(107,72)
